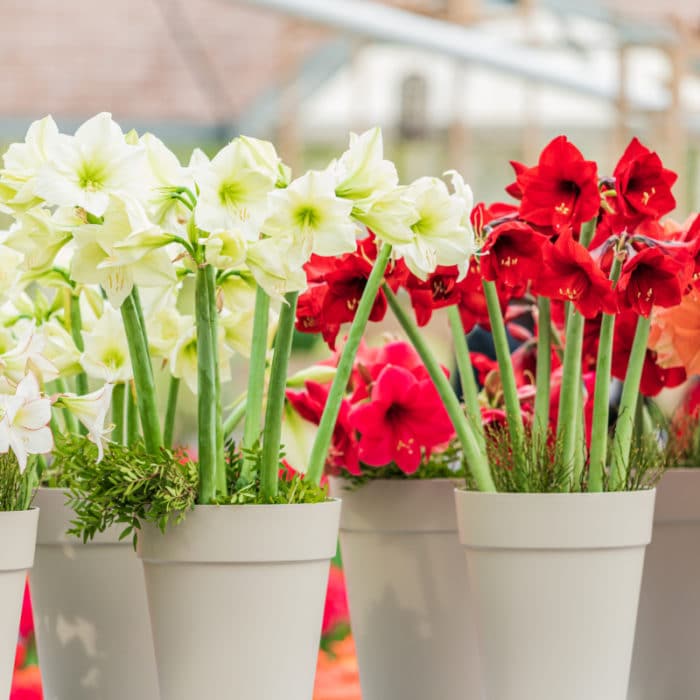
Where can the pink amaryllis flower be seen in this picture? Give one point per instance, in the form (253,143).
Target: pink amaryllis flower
(403,419)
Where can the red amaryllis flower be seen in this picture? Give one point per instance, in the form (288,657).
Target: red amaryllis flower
(472,302)
(439,290)
(335,611)
(691,235)
(26,622)
(514,189)
(482,215)
(654,377)
(561,191)
(309,404)
(571,274)
(654,276)
(512,255)
(643,185)
(403,419)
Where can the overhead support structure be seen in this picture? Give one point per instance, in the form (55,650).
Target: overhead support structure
(389,24)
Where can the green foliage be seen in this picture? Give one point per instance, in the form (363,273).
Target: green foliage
(16,490)
(130,486)
(543,470)
(683,447)
(448,464)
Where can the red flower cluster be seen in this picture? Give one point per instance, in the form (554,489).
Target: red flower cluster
(393,413)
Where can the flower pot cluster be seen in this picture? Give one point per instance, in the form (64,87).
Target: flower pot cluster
(493,521)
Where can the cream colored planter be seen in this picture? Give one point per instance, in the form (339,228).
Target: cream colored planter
(236,596)
(665,661)
(17,541)
(90,611)
(555,581)
(408,591)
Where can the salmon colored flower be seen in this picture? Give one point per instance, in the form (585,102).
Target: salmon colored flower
(654,276)
(675,334)
(561,191)
(642,185)
(403,420)
(512,255)
(571,274)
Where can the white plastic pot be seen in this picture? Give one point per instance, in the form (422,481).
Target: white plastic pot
(665,661)
(17,541)
(90,611)
(408,591)
(555,583)
(236,595)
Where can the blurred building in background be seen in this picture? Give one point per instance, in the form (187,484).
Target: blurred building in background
(201,71)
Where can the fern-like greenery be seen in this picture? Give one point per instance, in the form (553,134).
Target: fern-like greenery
(130,486)
(16,489)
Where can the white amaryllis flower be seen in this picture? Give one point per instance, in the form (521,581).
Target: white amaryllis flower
(183,359)
(166,326)
(92,410)
(226,249)
(84,169)
(276,267)
(234,186)
(391,216)
(123,251)
(442,234)
(37,235)
(60,348)
(23,162)
(27,354)
(313,216)
(361,173)
(106,354)
(10,270)
(24,420)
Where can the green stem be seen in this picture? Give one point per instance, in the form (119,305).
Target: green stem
(276,397)
(171,411)
(466,374)
(571,380)
(624,427)
(543,374)
(601,394)
(72,425)
(207,367)
(143,372)
(324,435)
(236,416)
(474,453)
(514,415)
(76,329)
(256,377)
(132,416)
(118,397)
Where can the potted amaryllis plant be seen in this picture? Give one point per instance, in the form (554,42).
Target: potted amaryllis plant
(669,622)
(395,463)
(556,511)
(222,243)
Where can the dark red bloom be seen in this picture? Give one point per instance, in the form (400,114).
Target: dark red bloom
(512,255)
(561,191)
(439,290)
(571,274)
(643,185)
(654,276)
(404,419)
(654,377)
(472,302)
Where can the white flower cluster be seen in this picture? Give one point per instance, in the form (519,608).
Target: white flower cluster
(100,212)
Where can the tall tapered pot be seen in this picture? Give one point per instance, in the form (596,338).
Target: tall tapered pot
(665,661)
(555,581)
(17,541)
(90,610)
(236,596)
(408,591)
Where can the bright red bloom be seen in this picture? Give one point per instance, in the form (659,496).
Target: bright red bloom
(654,276)
(571,274)
(336,610)
(691,235)
(20,655)
(654,377)
(26,622)
(561,191)
(472,302)
(309,404)
(482,215)
(643,185)
(404,418)
(514,189)
(512,255)
(439,290)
